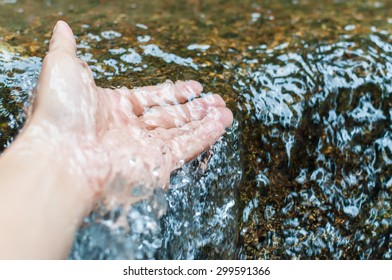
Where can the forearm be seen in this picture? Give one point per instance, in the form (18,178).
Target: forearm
(41,201)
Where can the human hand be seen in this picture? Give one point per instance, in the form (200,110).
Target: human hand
(138,136)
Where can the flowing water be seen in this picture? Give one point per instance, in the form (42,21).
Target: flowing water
(306,170)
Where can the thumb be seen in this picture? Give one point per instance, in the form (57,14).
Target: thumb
(63,39)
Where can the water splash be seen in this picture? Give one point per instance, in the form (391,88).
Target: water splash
(201,222)
(198,212)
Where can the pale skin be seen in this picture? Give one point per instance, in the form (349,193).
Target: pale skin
(80,138)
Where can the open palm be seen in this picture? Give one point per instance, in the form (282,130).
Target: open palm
(138,135)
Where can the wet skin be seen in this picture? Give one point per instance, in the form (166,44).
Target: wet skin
(141,135)
(80,138)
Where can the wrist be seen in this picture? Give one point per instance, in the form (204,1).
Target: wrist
(42,203)
(61,154)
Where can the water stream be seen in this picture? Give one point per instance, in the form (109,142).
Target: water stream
(306,170)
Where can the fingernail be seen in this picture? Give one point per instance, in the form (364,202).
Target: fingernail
(55,27)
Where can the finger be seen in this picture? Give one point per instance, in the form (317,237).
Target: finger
(191,89)
(169,134)
(201,135)
(164,94)
(63,39)
(179,115)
